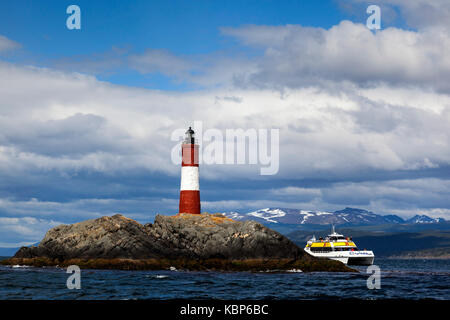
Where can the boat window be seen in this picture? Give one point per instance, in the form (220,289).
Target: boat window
(345,249)
(323,249)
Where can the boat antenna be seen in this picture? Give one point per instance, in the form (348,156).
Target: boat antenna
(332,228)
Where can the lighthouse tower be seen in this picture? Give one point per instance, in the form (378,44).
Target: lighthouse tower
(189,190)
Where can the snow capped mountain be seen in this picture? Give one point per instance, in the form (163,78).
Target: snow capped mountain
(349,216)
(424,219)
(281,215)
(235,215)
(268,214)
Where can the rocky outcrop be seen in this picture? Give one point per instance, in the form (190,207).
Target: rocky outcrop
(183,238)
(190,236)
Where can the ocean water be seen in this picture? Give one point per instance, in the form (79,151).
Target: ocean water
(400,279)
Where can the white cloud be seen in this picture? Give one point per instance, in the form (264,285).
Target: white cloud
(68,121)
(25,230)
(7,44)
(300,56)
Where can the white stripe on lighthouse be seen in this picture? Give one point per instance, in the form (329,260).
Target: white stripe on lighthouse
(189,178)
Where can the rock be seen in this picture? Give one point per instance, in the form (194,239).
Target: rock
(214,236)
(105,237)
(185,240)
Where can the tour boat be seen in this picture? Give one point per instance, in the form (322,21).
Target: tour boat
(337,247)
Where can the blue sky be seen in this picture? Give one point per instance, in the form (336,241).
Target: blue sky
(181,27)
(86,116)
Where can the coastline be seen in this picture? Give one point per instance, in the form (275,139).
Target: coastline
(252,265)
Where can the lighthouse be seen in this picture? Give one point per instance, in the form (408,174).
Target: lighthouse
(189,189)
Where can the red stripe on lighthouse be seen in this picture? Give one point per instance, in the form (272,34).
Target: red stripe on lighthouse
(190,201)
(189,155)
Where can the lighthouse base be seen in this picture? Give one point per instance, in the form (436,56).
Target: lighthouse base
(190,201)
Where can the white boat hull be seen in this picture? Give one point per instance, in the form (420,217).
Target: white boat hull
(363,257)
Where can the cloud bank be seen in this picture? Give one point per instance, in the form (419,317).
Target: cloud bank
(363,121)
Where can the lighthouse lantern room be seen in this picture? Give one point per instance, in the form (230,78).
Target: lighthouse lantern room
(190,188)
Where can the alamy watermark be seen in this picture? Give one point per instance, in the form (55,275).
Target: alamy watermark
(233,146)
(374,20)
(74,20)
(74,281)
(374,281)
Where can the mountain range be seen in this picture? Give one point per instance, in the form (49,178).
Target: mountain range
(347,216)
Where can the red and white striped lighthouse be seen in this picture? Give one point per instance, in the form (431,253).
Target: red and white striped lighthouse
(189,189)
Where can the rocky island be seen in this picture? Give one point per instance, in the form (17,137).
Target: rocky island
(184,241)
